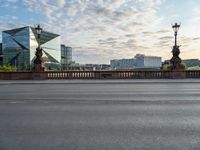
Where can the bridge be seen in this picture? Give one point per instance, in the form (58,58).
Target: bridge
(99,75)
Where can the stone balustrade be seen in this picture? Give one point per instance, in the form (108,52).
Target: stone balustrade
(99,75)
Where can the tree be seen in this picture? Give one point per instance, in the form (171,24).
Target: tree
(183,66)
(8,68)
(165,67)
(24,67)
(194,68)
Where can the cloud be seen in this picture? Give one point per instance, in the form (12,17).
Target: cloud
(7,26)
(109,42)
(111,25)
(107,28)
(60,2)
(130,35)
(166,38)
(196,38)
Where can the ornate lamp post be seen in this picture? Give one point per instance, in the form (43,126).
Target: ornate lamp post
(175,62)
(38,62)
(176,28)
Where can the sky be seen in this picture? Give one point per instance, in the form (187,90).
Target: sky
(102,30)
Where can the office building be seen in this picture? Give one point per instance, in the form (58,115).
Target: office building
(19,47)
(66,57)
(1,56)
(123,64)
(143,61)
(140,61)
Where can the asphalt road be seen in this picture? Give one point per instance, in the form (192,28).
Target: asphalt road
(100,115)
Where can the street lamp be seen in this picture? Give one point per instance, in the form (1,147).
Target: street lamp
(176,27)
(175,62)
(38,30)
(38,62)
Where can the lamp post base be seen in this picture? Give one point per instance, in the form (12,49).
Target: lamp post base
(178,74)
(38,68)
(175,62)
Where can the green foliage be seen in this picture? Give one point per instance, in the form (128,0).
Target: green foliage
(24,67)
(194,68)
(7,68)
(66,67)
(53,67)
(165,67)
(183,66)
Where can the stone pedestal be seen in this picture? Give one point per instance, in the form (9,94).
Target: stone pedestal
(175,62)
(38,68)
(38,62)
(38,76)
(179,75)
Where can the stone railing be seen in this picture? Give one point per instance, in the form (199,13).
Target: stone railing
(99,75)
(193,74)
(107,75)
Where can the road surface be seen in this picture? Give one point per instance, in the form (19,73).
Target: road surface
(100,115)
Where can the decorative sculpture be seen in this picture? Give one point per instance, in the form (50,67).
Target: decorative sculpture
(38,62)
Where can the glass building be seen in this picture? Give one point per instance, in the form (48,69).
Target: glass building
(19,47)
(66,56)
(1,56)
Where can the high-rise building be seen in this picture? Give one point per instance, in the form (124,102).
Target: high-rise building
(66,56)
(1,56)
(139,61)
(19,47)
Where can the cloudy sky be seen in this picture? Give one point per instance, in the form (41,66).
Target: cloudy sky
(101,30)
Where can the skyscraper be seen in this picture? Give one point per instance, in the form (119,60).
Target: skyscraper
(66,56)
(19,46)
(1,56)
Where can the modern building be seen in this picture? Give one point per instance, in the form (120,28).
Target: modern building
(19,47)
(94,67)
(191,62)
(1,56)
(140,61)
(66,56)
(143,61)
(123,63)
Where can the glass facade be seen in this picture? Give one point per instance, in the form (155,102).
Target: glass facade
(1,56)
(66,55)
(19,47)
(15,45)
(52,48)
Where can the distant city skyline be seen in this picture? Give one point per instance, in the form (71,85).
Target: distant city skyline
(102,30)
